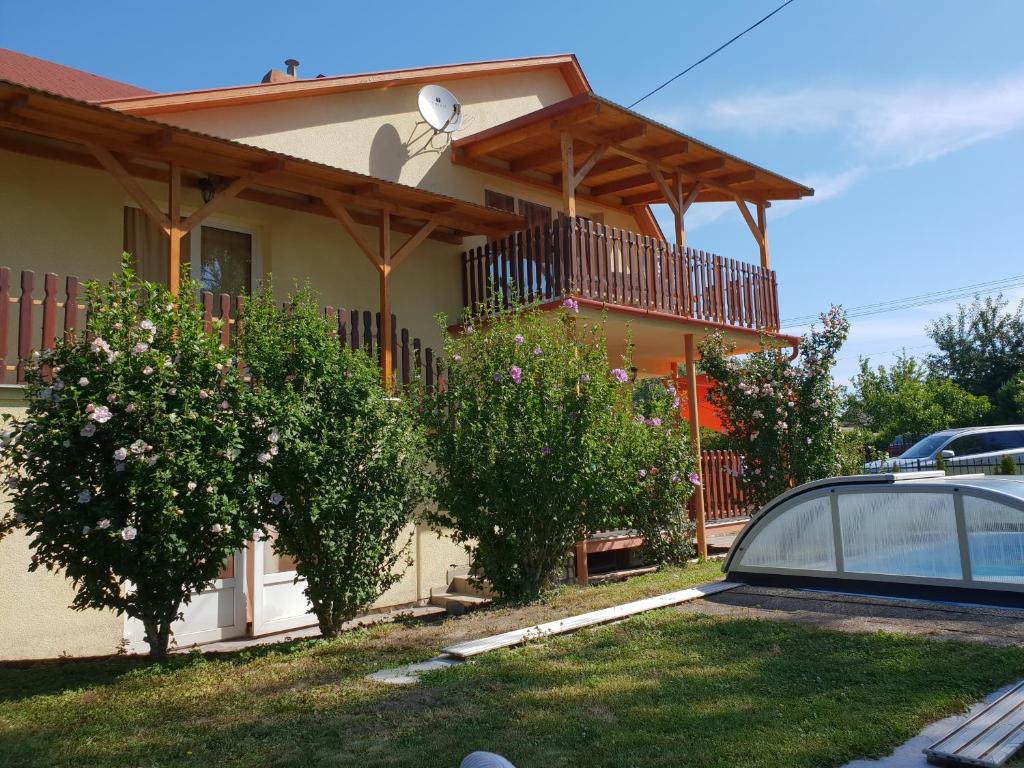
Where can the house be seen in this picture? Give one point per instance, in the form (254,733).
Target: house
(543,192)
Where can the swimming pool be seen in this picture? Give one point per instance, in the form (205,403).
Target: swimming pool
(909,533)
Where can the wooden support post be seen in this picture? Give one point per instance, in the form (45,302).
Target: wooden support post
(691,397)
(762,224)
(175,231)
(582,570)
(568,177)
(385,300)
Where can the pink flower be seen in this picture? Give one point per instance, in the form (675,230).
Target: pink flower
(203,394)
(90,408)
(694,478)
(121,454)
(103,524)
(88,430)
(642,474)
(130,408)
(128,533)
(519,339)
(516,373)
(139,348)
(571,305)
(619,375)
(147,371)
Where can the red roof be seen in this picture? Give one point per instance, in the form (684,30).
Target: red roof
(64,81)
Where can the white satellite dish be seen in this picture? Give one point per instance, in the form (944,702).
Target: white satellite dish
(440,108)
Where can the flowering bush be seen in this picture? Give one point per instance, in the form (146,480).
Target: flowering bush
(655,454)
(782,414)
(129,469)
(527,445)
(345,463)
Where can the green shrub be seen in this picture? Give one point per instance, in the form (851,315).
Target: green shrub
(347,468)
(529,445)
(130,469)
(940,462)
(1007,466)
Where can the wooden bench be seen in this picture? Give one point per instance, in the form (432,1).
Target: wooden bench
(989,738)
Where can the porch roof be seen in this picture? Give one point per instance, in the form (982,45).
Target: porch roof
(37,122)
(630,157)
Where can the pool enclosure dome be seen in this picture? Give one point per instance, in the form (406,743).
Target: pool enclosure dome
(912,534)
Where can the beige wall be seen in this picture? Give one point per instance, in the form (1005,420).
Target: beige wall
(35,618)
(381,133)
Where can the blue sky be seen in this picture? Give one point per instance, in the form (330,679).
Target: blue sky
(905,116)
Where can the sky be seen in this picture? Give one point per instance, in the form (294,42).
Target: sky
(906,116)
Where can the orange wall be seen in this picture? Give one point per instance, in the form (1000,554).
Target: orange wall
(706,413)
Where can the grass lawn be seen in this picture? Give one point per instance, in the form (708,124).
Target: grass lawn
(662,689)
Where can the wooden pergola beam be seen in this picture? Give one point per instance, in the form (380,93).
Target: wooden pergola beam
(568,175)
(489,144)
(350,226)
(228,193)
(694,414)
(747,217)
(588,164)
(412,243)
(114,167)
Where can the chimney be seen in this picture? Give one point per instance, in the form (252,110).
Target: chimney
(277,76)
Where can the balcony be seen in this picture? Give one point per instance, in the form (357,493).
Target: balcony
(620,270)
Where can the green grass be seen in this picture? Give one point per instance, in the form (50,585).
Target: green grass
(662,689)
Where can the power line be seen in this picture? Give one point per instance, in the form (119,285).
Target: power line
(920,300)
(719,48)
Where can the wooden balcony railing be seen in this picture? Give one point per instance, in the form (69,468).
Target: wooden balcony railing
(576,257)
(29,323)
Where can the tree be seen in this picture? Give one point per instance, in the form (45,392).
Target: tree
(784,413)
(981,348)
(525,445)
(345,461)
(905,400)
(129,470)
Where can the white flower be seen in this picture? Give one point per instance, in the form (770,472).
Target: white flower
(203,394)
(103,524)
(101,414)
(147,325)
(83,382)
(128,533)
(138,447)
(216,528)
(273,450)
(121,454)
(147,371)
(167,362)
(191,485)
(263,458)
(84,497)
(276,498)
(99,345)
(139,348)
(234,453)
(274,436)
(224,405)
(111,398)
(85,530)
(88,430)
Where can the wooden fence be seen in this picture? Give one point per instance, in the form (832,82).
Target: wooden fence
(575,256)
(29,322)
(723,496)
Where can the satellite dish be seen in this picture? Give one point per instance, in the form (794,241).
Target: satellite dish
(440,108)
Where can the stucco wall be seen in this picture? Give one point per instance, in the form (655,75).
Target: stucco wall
(381,133)
(35,618)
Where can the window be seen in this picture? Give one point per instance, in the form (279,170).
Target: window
(995,538)
(224,261)
(1005,441)
(500,201)
(970,445)
(222,258)
(536,215)
(147,242)
(900,534)
(800,537)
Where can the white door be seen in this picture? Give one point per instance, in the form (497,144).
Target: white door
(215,613)
(278,601)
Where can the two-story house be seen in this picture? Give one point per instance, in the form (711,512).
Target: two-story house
(544,191)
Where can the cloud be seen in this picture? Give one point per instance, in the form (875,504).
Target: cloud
(898,125)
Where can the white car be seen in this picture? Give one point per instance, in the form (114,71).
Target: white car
(970,449)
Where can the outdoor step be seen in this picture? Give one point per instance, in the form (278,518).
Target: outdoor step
(456,603)
(467,585)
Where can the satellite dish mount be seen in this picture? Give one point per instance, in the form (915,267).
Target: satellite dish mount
(440,109)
